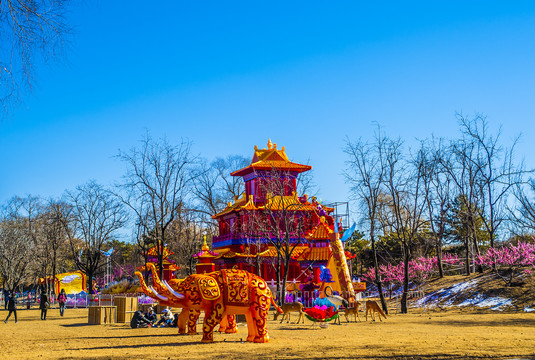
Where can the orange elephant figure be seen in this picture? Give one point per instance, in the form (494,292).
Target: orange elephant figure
(221,295)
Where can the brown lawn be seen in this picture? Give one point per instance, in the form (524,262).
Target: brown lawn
(432,335)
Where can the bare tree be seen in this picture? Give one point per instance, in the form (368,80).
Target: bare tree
(405,185)
(465,173)
(498,173)
(437,184)
(16,245)
(55,234)
(156,185)
(522,213)
(366,172)
(29,29)
(213,186)
(96,215)
(185,236)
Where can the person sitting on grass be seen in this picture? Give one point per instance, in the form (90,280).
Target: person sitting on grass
(139,321)
(151,315)
(166,318)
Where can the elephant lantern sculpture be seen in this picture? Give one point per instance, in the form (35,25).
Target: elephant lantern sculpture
(221,295)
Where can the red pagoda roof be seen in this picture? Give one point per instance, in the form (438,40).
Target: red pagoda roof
(290,202)
(271,158)
(315,254)
(152,252)
(322,231)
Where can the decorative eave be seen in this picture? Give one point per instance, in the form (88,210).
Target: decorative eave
(227,253)
(152,252)
(322,231)
(238,203)
(170,267)
(287,202)
(316,254)
(269,159)
(272,252)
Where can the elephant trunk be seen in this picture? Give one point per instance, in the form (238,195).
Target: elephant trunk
(163,288)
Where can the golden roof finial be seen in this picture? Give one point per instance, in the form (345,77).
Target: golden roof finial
(269,144)
(275,146)
(255,148)
(205,245)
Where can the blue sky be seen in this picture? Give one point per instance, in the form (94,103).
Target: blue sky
(231,75)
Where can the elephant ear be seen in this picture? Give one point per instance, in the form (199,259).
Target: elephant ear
(209,288)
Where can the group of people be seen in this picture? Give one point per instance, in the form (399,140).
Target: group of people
(140,320)
(44,304)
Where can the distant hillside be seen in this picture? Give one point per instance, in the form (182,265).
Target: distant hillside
(485,291)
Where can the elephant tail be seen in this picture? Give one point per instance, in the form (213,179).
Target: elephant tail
(276,306)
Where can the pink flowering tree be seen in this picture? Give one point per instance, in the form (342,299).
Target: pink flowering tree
(420,270)
(510,261)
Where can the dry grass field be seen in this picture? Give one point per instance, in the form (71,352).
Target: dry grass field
(451,334)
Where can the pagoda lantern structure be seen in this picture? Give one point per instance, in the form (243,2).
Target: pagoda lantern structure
(205,259)
(169,266)
(270,168)
(243,243)
(243,246)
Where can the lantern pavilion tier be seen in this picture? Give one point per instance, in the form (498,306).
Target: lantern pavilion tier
(169,266)
(271,188)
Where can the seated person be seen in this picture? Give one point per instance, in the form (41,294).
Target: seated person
(151,315)
(175,321)
(139,321)
(166,318)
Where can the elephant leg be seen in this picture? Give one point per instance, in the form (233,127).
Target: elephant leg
(192,321)
(260,313)
(223,326)
(231,324)
(212,317)
(182,318)
(251,327)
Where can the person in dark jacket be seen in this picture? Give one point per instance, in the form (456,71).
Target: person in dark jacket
(12,307)
(151,315)
(139,320)
(6,298)
(43,305)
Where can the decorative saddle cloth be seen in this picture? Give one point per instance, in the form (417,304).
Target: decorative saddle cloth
(236,289)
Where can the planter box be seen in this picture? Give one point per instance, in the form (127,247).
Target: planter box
(102,315)
(126,306)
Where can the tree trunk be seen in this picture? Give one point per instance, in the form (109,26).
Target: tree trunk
(404,298)
(439,261)
(160,263)
(146,269)
(54,271)
(90,278)
(278,277)
(378,277)
(467,257)
(285,277)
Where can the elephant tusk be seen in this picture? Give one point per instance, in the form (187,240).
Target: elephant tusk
(161,297)
(172,291)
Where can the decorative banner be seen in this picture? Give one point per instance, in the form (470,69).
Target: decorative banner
(340,262)
(72,282)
